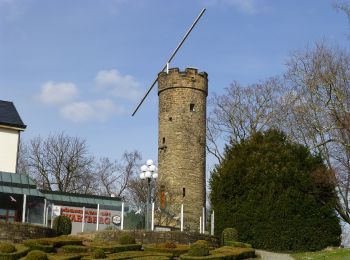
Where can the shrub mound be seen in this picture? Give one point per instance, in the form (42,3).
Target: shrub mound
(62,225)
(36,255)
(99,254)
(20,251)
(279,195)
(225,252)
(199,248)
(73,249)
(229,234)
(7,248)
(127,240)
(168,248)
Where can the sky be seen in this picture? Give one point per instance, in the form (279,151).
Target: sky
(80,67)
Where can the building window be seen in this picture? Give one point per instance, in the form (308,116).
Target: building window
(163,140)
(192,107)
(183,192)
(7,215)
(170,119)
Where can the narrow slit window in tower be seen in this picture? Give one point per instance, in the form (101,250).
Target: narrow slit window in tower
(163,140)
(192,107)
(170,119)
(183,192)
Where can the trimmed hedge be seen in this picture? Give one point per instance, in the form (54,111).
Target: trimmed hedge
(116,248)
(48,244)
(37,255)
(73,249)
(64,256)
(21,251)
(229,234)
(62,225)
(237,244)
(161,248)
(200,248)
(138,255)
(7,248)
(127,240)
(223,253)
(99,254)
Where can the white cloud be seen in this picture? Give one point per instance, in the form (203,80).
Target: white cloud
(98,110)
(250,7)
(58,93)
(122,86)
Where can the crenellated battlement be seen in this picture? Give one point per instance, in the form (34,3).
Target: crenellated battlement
(189,78)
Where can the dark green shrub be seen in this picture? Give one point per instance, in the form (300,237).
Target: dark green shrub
(99,254)
(199,249)
(7,248)
(126,239)
(62,225)
(72,249)
(36,255)
(277,195)
(229,234)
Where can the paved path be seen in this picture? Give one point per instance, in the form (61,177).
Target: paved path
(272,256)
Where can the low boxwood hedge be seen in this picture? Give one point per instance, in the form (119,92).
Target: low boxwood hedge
(48,244)
(224,253)
(237,244)
(64,256)
(21,251)
(137,255)
(161,248)
(115,248)
(73,249)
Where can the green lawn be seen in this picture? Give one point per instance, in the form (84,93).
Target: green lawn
(337,254)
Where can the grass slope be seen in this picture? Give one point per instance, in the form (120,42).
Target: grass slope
(337,254)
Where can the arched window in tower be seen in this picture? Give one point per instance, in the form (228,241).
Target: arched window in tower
(192,107)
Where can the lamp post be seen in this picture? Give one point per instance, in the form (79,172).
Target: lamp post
(148,172)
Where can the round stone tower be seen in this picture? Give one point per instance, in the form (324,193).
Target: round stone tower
(181,141)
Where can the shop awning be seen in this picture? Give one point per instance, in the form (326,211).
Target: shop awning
(83,200)
(15,183)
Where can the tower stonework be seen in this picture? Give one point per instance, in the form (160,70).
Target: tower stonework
(181,140)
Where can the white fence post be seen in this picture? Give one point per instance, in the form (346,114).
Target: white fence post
(203,219)
(83,221)
(44,214)
(122,218)
(24,208)
(212,223)
(200,225)
(182,217)
(98,216)
(52,206)
(152,223)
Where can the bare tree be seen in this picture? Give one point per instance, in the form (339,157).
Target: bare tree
(116,177)
(59,162)
(240,112)
(317,111)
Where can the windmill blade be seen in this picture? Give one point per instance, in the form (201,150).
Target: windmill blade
(171,57)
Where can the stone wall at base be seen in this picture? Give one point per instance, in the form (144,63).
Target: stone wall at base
(17,232)
(149,237)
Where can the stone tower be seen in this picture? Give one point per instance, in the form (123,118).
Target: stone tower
(181,140)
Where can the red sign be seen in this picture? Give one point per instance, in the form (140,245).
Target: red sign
(76,215)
